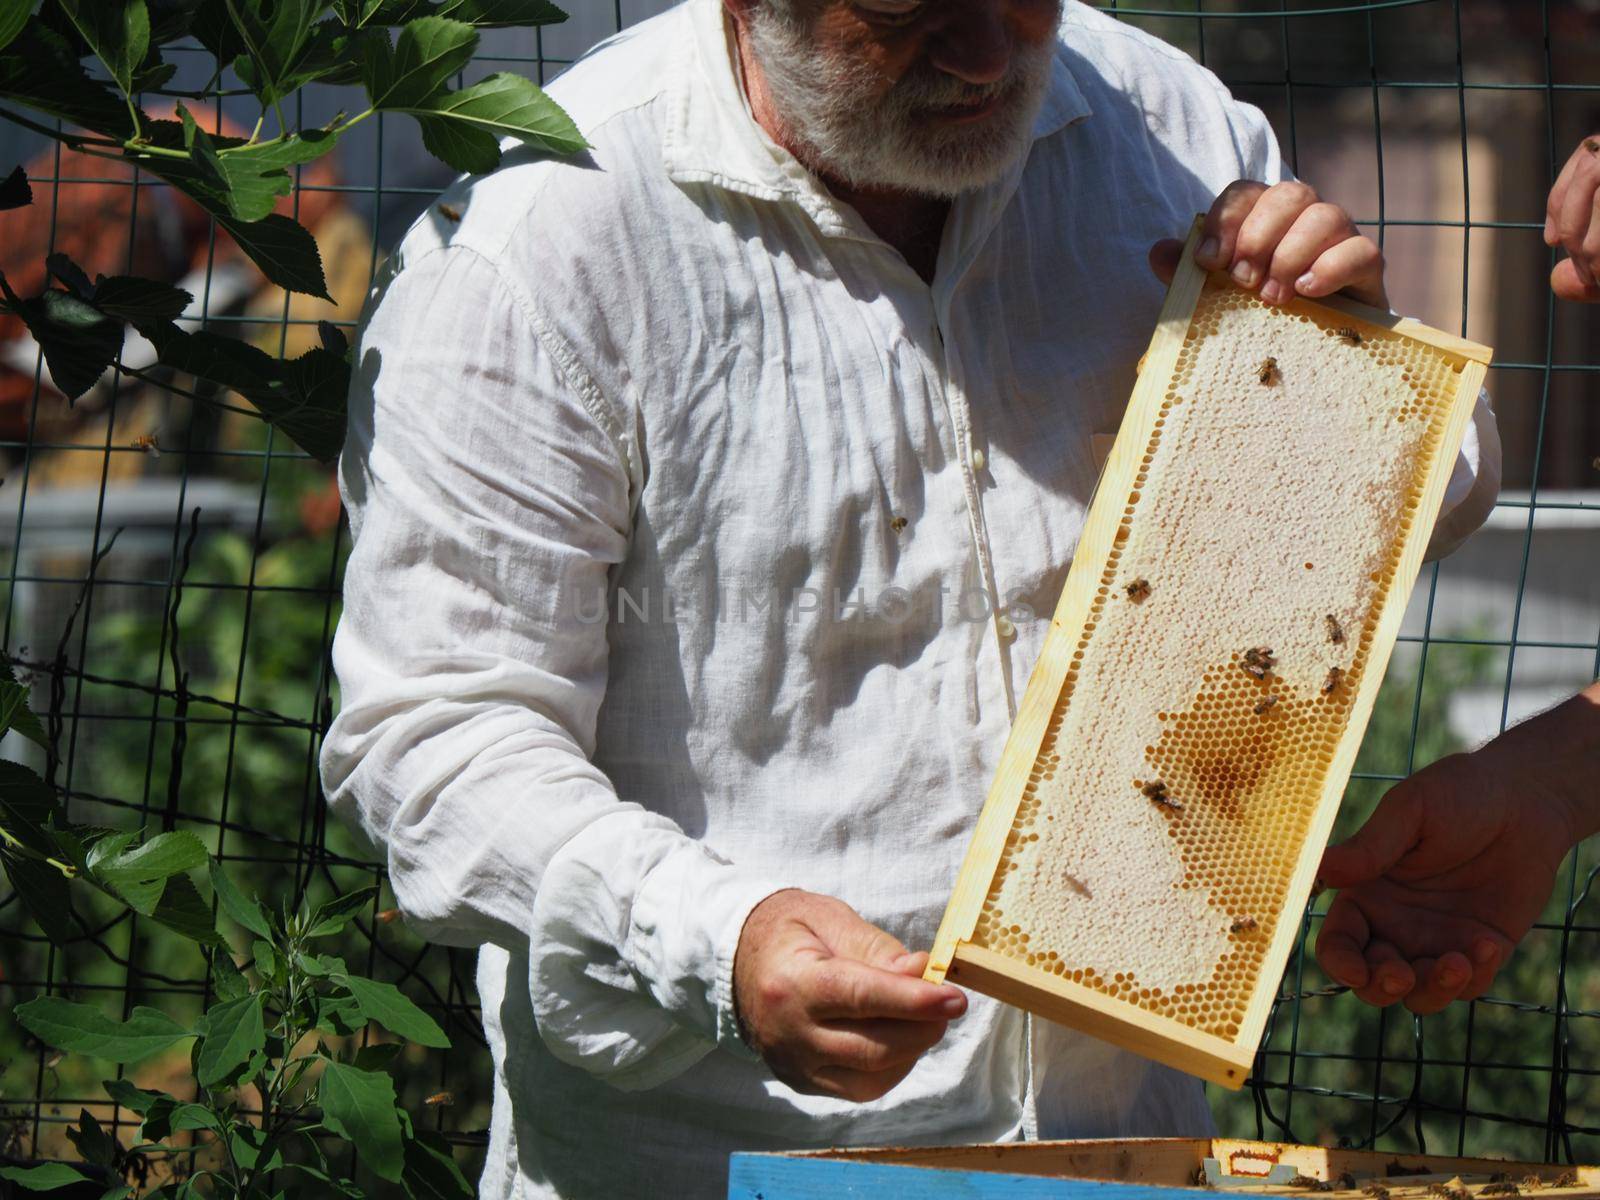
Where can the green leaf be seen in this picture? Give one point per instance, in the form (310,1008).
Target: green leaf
(39,69)
(319,966)
(431,1172)
(499,14)
(78,340)
(171,19)
(227,981)
(267,963)
(46,1177)
(140,876)
(455,124)
(332,917)
(286,253)
(274,34)
(14,191)
(246,911)
(248,1142)
(230,1033)
(378,1056)
(360,1105)
(118,31)
(15,713)
(140,302)
(387,1005)
(184,911)
(13,16)
(28,808)
(93,1142)
(166,1116)
(134,1099)
(82,1029)
(44,892)
(429,51)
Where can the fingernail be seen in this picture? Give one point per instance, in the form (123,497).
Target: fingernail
(1485,952)
(1272,292)
(1306,282)
(954,1005)
(1210,251)
(1393,986)
(1245,274)
(1452,978)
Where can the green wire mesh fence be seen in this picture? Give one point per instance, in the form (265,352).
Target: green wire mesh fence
(171,574)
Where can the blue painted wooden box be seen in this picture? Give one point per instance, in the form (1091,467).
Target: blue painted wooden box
(1145,1169)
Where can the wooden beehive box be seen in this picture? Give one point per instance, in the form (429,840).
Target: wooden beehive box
(1153,831)
(1146,1169)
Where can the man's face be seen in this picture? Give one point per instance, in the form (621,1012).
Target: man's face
(932,97)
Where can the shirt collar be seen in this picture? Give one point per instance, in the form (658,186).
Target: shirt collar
(712,137)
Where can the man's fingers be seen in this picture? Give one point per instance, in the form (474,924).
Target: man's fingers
(1488,955)
(1568,285)
(875,1045)
(1389,975)
(1341,943)
(848,935)
(1164,256)
(1558,197)
(857,1086)
(1353,266)
(1391,831)
(1275,213)
(1577,212)
(1315,231)
(1439,981)
(1219,236)
(843,989)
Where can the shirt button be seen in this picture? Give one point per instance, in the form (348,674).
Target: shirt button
(980,460)
(1005,627)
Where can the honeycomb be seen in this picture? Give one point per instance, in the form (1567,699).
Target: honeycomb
(1189,749)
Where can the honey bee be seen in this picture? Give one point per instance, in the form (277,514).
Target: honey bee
(898,524)
(1500,1189)
(1532,1182)
(1330,685)
(1376,1190)
(450,213)
(1156,793)
(1139,590)
(1346,1182)
(1335,630)
(1565,1179)
(1310,1183)
(1244,925)
(388,916)
(1267,704)
(1258,661)
(1200,1178)
(147,442)
(1268,372)
(1349,336)
(440,1100)
(1077,885)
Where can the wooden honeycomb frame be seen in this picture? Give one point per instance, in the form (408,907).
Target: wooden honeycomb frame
(1221,1057)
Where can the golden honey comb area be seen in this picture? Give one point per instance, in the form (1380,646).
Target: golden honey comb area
(1154,845)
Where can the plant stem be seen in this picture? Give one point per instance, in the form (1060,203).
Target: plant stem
(261,69)
(71,140)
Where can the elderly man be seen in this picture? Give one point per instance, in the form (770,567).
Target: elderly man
(710,495)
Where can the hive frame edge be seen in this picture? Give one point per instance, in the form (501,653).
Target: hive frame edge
(1043,692)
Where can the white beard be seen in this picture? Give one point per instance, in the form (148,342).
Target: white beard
(838,127)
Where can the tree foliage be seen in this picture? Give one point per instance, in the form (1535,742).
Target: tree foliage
(83,67)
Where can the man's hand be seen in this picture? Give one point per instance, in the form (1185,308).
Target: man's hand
(1283,242)
(1572,221)
(835,1006)
(1445,879)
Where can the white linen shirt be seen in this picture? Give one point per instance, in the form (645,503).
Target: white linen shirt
(701,549)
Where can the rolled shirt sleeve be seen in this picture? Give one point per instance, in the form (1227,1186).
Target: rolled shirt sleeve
(484,493)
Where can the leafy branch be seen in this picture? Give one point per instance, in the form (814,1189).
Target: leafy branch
(267,1030)
(403,53)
